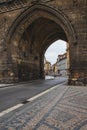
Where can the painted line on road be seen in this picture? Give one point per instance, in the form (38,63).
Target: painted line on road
(48,90)
(28,100)
(10,109)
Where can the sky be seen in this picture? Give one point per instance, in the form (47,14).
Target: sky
(56,48)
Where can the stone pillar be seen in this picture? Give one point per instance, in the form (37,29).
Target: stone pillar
(42,74)
(78,51)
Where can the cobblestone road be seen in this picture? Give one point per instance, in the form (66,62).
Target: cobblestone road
(64,108)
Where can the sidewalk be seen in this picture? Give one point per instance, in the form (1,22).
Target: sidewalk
(5,85)
(17,83)
(63,108)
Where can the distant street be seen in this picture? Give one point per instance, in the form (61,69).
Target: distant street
(12,95)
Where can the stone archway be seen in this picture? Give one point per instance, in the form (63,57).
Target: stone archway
(30,35)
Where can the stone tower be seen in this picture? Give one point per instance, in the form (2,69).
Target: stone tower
(28,27)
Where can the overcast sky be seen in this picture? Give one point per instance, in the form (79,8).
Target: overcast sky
(58,47)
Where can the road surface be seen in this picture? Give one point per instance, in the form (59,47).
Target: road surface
(13,95)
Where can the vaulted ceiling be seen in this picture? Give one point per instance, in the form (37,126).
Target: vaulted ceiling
(43,32)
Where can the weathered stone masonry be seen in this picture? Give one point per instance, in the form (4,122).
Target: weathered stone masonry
(27,28)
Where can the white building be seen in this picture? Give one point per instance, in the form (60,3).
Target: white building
(62,64)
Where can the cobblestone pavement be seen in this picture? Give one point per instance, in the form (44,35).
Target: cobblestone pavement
(64,108)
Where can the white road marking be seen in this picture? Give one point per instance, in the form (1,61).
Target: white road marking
(30,99)
(48,90)
(10,109)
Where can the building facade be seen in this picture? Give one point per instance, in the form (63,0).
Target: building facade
(62,65)
(54,69)
(47,67)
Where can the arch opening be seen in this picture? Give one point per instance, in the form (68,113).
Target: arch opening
(32,46)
